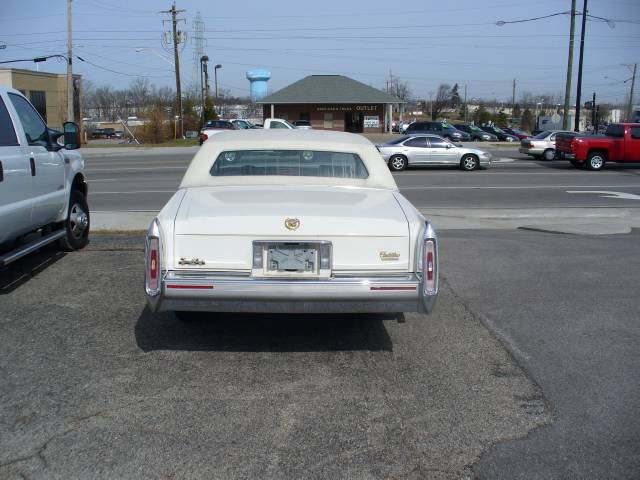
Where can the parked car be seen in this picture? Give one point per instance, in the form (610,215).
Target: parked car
(241,124)
(476,133)
(542,145)
(42,182)
(109,132)
(502,135)
(516,132)
(302,124)
(97,133)
(118,134)
(304,221)
(413,150)
(213,127)
(621,143)
(442,129)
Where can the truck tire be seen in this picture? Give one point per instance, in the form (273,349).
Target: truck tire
(595,161)
(76,224)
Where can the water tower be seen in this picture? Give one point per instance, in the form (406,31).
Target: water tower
(258,79)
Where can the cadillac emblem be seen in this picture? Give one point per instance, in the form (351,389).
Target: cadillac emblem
(291,223)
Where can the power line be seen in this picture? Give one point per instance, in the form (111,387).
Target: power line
(123,73)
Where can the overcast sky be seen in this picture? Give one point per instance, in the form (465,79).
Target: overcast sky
(424,43)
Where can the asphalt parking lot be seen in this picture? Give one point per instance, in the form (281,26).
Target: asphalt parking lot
(523,371)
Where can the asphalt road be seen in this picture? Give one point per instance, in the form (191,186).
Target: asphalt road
(145,182)
(567,306)
(527,369)
(95,386)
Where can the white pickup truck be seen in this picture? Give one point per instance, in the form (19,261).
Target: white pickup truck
(277,123)
(42,183)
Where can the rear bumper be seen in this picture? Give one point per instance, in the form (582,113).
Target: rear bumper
(531,151)
(213,292)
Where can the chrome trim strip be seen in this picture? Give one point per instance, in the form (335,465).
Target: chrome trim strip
(380,294)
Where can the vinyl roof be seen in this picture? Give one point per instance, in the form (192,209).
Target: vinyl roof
(329,89)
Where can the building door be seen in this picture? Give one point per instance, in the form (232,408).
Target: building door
(353,122)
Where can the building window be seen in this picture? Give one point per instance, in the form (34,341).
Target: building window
(328,120)
(39,100)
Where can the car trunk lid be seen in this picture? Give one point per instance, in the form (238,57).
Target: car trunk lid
(217,225)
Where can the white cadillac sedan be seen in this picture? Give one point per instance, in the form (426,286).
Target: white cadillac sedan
(290,221)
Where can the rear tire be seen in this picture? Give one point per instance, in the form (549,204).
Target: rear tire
(595,161)
(469,163)
(549,154)
(397,163)
(76,224)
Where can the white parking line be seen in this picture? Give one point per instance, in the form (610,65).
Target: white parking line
(133,192)
(123,169)
(516,187)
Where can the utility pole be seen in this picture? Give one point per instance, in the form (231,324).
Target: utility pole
(431,105)
(567,90)
(633,83)
(593,114)
(466,108)
(176,41)
(513,97)
(578,93)
(70,116)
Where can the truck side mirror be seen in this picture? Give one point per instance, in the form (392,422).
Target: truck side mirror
(71,136)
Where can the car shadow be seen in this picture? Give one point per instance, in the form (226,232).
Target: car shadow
(240,332)
(565,165)
(26,268)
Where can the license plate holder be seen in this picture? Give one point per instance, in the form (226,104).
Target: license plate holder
(294,259)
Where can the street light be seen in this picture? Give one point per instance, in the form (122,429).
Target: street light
(204,81)
(151,50)
(215,79)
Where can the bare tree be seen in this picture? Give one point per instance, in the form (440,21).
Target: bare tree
(400,89)
(442,100)
(140,92)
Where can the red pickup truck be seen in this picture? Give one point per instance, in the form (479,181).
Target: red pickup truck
(621,143)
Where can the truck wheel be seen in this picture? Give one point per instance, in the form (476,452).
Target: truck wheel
(397,163)
(469,162)
(595,161)
(76,224)
(549,154)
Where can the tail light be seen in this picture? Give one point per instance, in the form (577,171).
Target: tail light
(153,260)
(429,262)
(204,137)
(430,268)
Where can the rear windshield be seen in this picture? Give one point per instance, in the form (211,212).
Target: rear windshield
(543,135)
(296,163)
(219,124)
(398,140)
(615,131)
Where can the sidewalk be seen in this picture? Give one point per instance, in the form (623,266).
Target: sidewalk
(136,150)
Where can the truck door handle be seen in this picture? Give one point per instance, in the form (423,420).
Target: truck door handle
(32,162)
(1,172)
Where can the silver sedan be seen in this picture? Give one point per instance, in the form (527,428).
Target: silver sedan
(431,150)
(542,145)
